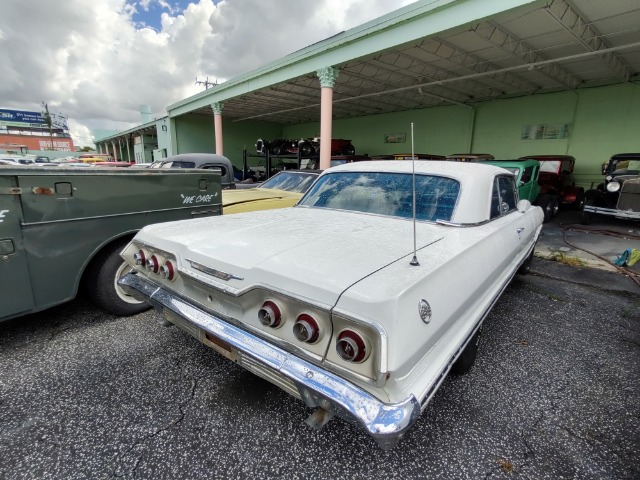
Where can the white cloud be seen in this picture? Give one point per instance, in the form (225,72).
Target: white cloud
(90,62)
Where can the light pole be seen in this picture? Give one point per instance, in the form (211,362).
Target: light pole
(47,118)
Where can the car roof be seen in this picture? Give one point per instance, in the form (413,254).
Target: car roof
(631,156)
(519,162)
(547,157)
(461,171)
(197,158)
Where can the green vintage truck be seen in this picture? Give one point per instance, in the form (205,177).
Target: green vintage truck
(62,228)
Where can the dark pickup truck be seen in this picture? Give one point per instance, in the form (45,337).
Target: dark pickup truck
(63,228)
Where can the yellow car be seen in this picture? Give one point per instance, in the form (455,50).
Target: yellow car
(282,190)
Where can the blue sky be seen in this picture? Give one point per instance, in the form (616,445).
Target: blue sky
(101,64)
(148,12)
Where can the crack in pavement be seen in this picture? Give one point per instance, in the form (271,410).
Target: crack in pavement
(158,431)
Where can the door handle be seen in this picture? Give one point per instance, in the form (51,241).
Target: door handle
(520,230)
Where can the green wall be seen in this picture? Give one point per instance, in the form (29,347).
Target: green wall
(603,120)
(195,133)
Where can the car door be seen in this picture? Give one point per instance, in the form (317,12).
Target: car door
(15,286)
(517,233)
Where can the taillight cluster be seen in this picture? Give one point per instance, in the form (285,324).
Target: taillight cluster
(306,328)
(155,264)
(351,345)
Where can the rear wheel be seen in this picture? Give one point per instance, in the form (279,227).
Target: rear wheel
(349,150)
(579,203)
(102,278)
(550,206)
(467,358)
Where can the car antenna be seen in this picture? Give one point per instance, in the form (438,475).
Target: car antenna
(414,260)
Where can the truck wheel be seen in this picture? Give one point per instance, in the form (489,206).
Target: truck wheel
(349,150)
(468,356)
(585,217)
(103,289)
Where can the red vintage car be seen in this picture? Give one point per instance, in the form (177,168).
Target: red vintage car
(557,182)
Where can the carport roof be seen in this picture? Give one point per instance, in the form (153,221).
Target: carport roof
(446,52)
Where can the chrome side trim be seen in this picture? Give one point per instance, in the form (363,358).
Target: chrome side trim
(317,387)
(612,211)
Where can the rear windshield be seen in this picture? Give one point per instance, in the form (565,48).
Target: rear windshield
(385,194)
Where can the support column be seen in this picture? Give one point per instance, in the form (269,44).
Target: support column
(120,148)
(327,76)
(115,154)
(128,139)
(217,125)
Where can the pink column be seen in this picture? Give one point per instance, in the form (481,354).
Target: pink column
(327,76)
(217,125)
(115,155)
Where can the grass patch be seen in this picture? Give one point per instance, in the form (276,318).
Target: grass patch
(566,259)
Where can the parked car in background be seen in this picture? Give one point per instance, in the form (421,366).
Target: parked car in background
(94,157)
(558,182)
(201,160)
(42,159)
(469,157)
(345,301)
(619,194)
(18,159)
(282,190)
(113,164)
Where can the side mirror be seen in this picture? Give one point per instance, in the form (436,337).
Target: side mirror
(523,205)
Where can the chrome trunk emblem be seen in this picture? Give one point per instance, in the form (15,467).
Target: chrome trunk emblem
(213,272)
(425,311)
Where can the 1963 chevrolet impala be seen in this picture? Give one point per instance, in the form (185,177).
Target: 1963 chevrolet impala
(329,300)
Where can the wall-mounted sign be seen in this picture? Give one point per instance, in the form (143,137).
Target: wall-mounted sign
(395,138)
(546,131)
(21,118)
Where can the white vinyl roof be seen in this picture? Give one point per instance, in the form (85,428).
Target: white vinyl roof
(537,47)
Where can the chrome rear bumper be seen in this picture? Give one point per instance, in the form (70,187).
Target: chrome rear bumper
(317,387)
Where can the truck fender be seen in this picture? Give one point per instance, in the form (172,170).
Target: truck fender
(96,253)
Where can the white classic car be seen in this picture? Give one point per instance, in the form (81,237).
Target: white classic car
(347,301)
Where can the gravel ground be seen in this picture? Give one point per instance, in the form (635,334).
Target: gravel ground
(554,394)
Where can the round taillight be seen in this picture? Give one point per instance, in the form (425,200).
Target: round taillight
(351,346)
(269,315)
(152,264)
(167,271)
(306,329)
(140,258)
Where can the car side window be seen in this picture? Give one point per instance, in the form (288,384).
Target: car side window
(527,175)
(504,196)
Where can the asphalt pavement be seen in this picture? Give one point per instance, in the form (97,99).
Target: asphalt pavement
(555,393)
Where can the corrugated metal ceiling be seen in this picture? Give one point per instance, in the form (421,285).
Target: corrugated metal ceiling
(560,45)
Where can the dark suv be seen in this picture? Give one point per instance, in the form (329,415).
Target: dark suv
(619,194)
